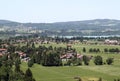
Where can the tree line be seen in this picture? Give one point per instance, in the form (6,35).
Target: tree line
(106,50)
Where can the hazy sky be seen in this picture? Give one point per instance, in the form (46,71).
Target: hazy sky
(58,10)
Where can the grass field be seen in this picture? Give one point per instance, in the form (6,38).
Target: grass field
(80,46)
(87,73)
(108,73)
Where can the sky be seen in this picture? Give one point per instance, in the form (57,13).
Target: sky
(48,11)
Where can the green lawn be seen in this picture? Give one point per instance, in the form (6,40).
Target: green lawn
(66,73)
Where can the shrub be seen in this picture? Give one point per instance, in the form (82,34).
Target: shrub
(84,49)
(98,60)
(109,61)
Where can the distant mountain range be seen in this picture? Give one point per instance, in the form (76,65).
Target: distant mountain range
(76,28)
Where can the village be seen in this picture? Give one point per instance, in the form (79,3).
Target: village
(65,56)
(44,52)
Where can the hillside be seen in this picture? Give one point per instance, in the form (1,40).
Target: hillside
(79,28)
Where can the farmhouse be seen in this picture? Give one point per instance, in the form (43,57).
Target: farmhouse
(74,41)
(69,56)
(3,51)
(21,54)
(1,54)
(111,42)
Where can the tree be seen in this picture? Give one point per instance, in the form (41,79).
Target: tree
(51,58)
(98,50)
(79,62)
(28,75)
(50,48)
(4,73)
(17,65)
(11,48)
(75,61)
(105,50)
(0,62)
(86,60)
(10,62)
(4,57)
(100,79)
(68,63)
(78,78)
(90,50)
(38,58)
(30,63)
(84,49)
(109,61)
(98,60)
(117,50)
(33,45)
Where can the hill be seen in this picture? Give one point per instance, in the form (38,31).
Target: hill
(79,28)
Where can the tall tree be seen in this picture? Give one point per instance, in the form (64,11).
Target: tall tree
(98,60)
(28,75)
(84,49)
(86,60)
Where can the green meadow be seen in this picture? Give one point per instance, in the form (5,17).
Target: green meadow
(87,73)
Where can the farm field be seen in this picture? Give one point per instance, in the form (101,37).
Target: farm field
(87,73)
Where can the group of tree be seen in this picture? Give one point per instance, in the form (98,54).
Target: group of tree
(47,56)
(10,73)
(106,50)
(50,56)
(111,50)
(94,50)
(98,60)
(91,50)
(73,62)
(77,61)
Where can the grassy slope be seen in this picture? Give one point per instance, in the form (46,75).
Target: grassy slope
(41,73)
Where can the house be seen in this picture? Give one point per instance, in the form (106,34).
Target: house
(3,51)
(111,42)
(1,54)
(25,59)
(21,54)
(4,45)
(68,56)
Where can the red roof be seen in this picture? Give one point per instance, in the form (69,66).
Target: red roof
(69,45)
(21,53)
(3,49)
(1,54)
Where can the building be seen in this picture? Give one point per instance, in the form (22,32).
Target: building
(111,42)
